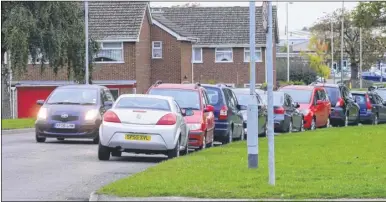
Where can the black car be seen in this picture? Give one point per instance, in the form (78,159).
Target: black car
(372,107)
(73,111)
(243,96)
(344,109)
(227,112)
(287,117)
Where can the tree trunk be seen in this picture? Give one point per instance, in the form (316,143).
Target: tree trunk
(354,71)
(5,99)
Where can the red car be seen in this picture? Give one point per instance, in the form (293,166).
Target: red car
(191,96)
(314,104)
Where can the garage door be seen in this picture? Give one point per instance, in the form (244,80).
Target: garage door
(26,100)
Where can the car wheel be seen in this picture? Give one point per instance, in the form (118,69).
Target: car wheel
(186,150)
(103,152)
(228,138)
(116,153)
(375,120)
(39,139)
(313,124)
(290,127)
(60,138)
(174,152)
(211,144)
(328,124)
(96,140)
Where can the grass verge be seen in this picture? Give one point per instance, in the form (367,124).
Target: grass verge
(7,124)
(326,163)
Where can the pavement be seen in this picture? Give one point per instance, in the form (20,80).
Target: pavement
(60,170)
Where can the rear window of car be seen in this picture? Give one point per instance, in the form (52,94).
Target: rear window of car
(184,98)
(299,95)
(143,103)
(333,94)
(360,98)
(214,95)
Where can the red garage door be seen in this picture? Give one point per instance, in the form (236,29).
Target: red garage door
(27,97)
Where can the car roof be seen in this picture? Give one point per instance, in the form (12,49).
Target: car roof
(176,86)
(81,86)
(147,96)
(245,90)
(216,86)
(327,85)
(300,87)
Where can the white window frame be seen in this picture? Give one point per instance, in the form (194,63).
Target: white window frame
(117,89)
(194,59)
(156,48)
(102,48)
(257,49)
(216,51)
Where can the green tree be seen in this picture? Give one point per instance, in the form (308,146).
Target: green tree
(50,30)
(317,52)
(373,45)
(370,14)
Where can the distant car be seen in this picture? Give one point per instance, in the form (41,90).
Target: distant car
(242,95)
(287,117)
(344,110)
(227,112)
(314,104)
(146,124)
(73,111)
(372,107)
(194,97)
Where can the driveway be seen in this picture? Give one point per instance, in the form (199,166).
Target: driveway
(60,170)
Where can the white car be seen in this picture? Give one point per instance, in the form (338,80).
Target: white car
(148,124)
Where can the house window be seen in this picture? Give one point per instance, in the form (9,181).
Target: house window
(156,49)
(37,60)
(247,55)
(224,55)
(114,92)
(109,52)
(197,55)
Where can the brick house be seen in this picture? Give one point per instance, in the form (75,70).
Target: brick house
(140,45)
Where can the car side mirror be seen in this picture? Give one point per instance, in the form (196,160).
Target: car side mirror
(242,107)
(187,112)
(209,108)
(40,102)
(319,102)
(108,104)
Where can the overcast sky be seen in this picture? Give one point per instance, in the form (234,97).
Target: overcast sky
(301,14)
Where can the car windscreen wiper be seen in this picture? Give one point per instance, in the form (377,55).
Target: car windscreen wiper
(65,103)
(87,103)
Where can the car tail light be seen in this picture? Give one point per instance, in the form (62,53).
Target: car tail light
(223,113)
(368,103)
(168,119)
(110,116)
(279,110)
(340,103)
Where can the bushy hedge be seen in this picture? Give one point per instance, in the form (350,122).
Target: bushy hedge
(299,70)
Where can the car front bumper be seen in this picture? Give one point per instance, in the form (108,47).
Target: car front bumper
(337,115)
(196,139)
(81,130)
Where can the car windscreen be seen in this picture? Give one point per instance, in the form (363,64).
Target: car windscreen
(213,95)
(381,93)
(143,103)
(333,94)
(185,98)
(299,95)
(73,96)
(243,98)
(359,98)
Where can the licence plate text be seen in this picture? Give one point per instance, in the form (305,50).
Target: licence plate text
(65,125)
(138,137)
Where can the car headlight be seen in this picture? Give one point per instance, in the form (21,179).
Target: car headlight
(91,115)
(194,126)
(42,114)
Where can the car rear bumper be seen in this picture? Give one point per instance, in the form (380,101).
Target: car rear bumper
(162,138)
(221,130)
(196,139)
(46,129)
(366,117)
(337,115)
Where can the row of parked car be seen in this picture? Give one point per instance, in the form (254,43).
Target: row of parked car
(173,119)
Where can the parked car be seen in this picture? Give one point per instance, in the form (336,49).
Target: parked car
(344,110)
(372,107)
(73,111)
(314,104)
(243,96)
(287,117)
(194,97)
(148,124)
(227,112)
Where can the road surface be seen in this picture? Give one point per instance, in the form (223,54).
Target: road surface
(60,170)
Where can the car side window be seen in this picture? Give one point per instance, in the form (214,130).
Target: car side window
(380,99)
(373,99)
(316,96)
(177,107)
(234,98)
(109,96)
(325,95)
(227,98)
(290,101)
(232,103)
(287,102)
(205,95)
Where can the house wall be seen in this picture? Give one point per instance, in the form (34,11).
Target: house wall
(143,57)
(186,61)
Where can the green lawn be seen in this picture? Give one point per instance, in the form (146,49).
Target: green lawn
(326,163)
(17,123)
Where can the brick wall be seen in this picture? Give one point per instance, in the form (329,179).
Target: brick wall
(186,61)
(143,57)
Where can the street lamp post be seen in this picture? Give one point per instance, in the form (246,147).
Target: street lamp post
(332,49)
(86,33)
(360,58)
(341,45)
(287,33)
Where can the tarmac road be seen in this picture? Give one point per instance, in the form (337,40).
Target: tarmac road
(60,170)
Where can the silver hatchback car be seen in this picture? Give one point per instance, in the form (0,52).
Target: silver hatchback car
(148,124)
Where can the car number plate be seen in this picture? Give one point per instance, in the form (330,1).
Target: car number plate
(138,137)
(278,117)
(65,125)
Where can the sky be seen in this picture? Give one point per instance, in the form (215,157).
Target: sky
(300,14)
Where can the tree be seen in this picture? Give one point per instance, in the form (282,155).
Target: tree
(317,52)
(370,14)
(299,70)
(373,45)
(50,30)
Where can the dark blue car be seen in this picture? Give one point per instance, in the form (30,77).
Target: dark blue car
(73,111)
(372,107)
(227,112)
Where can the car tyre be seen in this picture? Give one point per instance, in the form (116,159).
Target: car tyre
(203,146)
(211,144)
(229,137)
(116,153)
(39,139)
(313,124)
(103,152)
(174,152)
(375,120)
(96,140)
(328,124)
(302,125)
(186,150)
(290,127)
(60,138)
